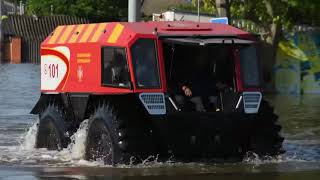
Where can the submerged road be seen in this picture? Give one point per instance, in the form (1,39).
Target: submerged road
(19,91)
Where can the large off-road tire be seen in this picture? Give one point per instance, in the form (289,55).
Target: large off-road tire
(266,139)
(51,129)
(112,138)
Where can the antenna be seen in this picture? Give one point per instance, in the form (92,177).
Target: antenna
(134,8)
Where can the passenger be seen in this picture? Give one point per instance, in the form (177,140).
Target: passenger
(119,70)
(199,85)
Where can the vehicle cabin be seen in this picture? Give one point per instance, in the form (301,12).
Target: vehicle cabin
(122,58)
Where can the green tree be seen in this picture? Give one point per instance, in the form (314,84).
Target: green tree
(206,6)
(94,10)
(273,16)
(101,10)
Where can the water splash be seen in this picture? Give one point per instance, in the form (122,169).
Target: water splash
(294,153)
(77,146)
(74,154)
(29,139)
(255,159)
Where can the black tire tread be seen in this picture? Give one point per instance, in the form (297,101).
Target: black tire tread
(266,140)
(55,114)
(133,141)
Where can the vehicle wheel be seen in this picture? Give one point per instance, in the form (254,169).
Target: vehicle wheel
(51,129)
(111,139)
(266,140)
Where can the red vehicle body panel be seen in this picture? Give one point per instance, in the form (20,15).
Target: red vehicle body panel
(71,55)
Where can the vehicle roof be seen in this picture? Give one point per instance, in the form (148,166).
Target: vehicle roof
(121,33)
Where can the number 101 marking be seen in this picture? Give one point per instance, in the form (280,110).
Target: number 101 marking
(53,70)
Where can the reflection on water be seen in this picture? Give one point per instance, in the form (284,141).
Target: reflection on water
(300,115)
(300,118)
(19,91)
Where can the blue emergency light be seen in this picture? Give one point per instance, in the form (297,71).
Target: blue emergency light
(221,20)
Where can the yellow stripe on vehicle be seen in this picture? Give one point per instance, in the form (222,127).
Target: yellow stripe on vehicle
(76,33)
(66,34)
(115,33)
(83,61)
(98,32)
(87,33)
(55,35)
(83,55)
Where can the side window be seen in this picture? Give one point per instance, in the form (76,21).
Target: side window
(249,66)
(115,67)
(145,63)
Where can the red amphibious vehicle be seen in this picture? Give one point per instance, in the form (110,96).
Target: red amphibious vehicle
(186,90)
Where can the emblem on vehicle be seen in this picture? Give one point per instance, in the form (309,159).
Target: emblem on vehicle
(54,67)
(80,73)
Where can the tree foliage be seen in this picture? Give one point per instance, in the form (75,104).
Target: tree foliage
(94,10)
(206,6)
(284,12)
(271,15)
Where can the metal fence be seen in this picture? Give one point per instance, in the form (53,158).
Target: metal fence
(33,30)
(30,51)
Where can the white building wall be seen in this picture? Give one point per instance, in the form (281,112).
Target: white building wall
(179,16)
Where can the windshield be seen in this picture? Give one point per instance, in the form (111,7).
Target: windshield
(145,63)
(249,66)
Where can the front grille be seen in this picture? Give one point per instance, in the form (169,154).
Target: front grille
(153,102)
(251,101)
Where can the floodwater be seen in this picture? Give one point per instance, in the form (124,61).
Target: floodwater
(19,91)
